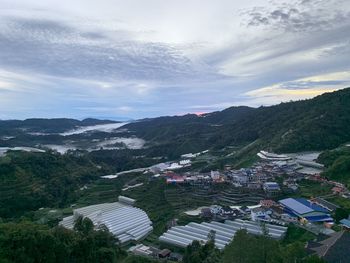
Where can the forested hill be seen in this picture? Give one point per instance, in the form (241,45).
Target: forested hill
(13,127)
(315,124)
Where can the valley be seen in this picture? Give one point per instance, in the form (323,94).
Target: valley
(206,171)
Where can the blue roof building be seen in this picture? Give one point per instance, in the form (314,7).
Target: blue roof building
(345,223)
(306,209)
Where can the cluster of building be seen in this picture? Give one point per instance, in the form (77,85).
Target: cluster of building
(194,178)
(295,210)
(263,174)
(218,212)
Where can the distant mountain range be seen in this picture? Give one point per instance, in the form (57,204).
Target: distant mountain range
(315,124)
(33,180)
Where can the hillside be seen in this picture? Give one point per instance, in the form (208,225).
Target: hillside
(17,127)
(337,162)
(30,181)
(315,124)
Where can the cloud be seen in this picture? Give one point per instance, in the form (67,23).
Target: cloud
(299,16)
(56,49)
(112,58)
(299,89)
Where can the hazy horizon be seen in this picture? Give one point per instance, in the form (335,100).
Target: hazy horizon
(126,119)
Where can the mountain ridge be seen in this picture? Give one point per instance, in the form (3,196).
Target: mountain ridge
(289,126)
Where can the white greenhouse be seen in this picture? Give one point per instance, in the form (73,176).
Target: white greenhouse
(125,222)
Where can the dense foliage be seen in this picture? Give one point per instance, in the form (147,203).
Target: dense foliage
(29,181)
(28,243)
(207,253)
(256,249)
(248,248)
(337,164)
(316,124)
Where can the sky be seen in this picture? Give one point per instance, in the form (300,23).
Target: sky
(146,58)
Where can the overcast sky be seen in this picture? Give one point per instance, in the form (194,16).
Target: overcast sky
(145,58)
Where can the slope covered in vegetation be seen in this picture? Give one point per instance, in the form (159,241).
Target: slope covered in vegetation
(337,164)
(316,124)
(29,181)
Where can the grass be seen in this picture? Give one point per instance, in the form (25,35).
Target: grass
(340,201)
(310,188)
(297,234)
(184,219)
(104,190)
(100,191)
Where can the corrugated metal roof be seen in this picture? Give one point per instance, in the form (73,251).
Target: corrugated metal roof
(296,206)
(183,236)
(345,222)
(125,222)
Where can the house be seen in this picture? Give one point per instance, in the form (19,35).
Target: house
(227,211)
(215,209)
(260,213)
(267,203)
(175,179)
(141,250)
(289,218)
(164,253)
(306,210)
(254,186)
(185,162)
(293,187)
(277,211)
(337,190)
(345,223)
(215,175)
(240,179)
(271,188)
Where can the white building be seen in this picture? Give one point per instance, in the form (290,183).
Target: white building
(240,179)
(125,222)
(185,162)
(215,175)
(260,213)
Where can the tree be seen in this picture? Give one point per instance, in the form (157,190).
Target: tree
(83,225)
(206,253)
(294,252)
(340,213)
(28,242)
(241,249)
(313,259)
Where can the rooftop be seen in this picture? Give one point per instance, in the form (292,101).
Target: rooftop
(345,222)
(124,221)
(302,206)
(182,236)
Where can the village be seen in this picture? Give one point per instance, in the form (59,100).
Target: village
(263,198)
